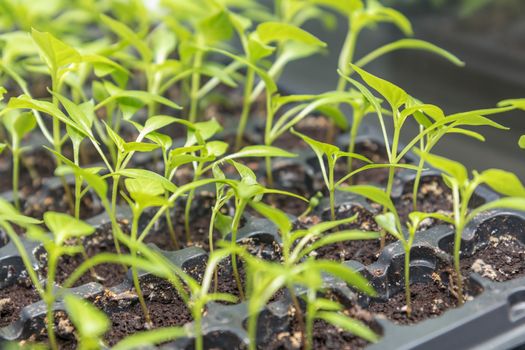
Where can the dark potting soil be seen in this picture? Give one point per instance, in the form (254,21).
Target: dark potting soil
(14,298)
(54,199)
(501,259)
(64,331)
(363,251)
(325,335)
(428,300)
(35,165)
(433,197)
(166,309)
(106,274)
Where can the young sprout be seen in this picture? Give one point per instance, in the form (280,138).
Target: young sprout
(463,188)
(64,229)
(402,107)
(18,125)
(391,223)
(331,154)
(298,269)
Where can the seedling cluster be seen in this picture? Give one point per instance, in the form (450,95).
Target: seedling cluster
(151,109)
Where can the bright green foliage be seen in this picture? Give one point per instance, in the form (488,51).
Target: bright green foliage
(463,188)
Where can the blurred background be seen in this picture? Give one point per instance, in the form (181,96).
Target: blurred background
(489,35)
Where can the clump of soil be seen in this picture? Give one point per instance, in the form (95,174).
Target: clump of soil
(14,298)
(100,242)
(501,259)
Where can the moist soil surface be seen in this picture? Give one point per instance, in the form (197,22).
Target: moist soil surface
(325,335)
(428,300)
(433,197)
(106,274)
(14,298)
(501,259)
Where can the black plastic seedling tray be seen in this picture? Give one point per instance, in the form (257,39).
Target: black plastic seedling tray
(494,319)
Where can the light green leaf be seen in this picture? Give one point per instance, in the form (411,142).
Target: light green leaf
(139,147)
(216,148)
(389,222)
(89,321)
(261,151)
(279,32)
(205,131)
(145,192)
(451,167)
(504,182)
(350,325)
(19,124)
(278,217)
(64,226)
(55,53)
(373,193)
(521,142)
(395,96)
(148,175)
(223,223)
(515,203)
(346,7)
(128,35)
(216,27)
(148,338)
(342,236)
(347,274)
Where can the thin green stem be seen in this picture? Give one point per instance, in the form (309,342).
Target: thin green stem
(356,122)
(407,280)
(347,55)
(195,85)
(235,226)
(16,175)
(134,271)
(50,298)
(457,242)
(246,107)
(299,316)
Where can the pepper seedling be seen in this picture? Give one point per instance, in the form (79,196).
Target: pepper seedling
(463,189)
(299,268)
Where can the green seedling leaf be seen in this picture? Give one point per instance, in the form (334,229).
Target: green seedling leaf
(453,168)
(2,147)
(64,226)
(148,176)
(164,141)
(318,147)
(346,274)
(77,113)
(515,203)
(258,50)
(335,114)
(163,42)
(9,213)
(89,321)
(350,325)
(128,35)
(54,52)
(279,32)
(205,130)
(346,7)
(417,217)
(388,222)
(216,148)
(152,337)
(521,142)
(2,92)
(146,193)
(139,147)
(216,27)
(19,124)
(115,138)
(26,102)
(278,217)
(395,96)
(469,133)
(89,175)
(504,182)
(516,103)
(261,151)
(327,305)
(223,223)
(343,236)
(373,193)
